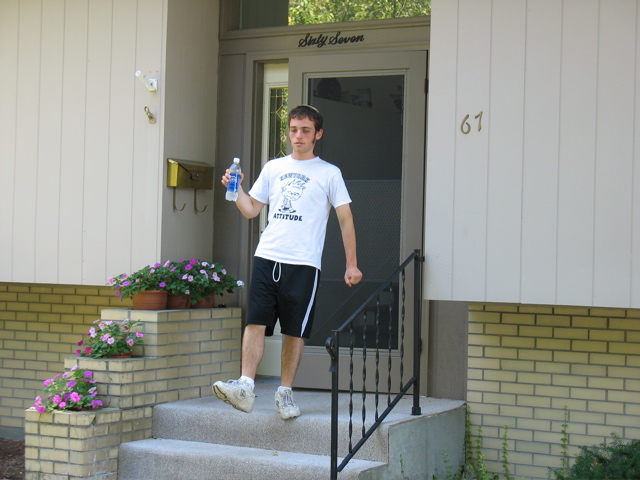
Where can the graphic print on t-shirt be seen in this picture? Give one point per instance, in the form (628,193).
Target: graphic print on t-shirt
(293,186)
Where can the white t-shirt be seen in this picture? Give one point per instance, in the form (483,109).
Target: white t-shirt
(300,194)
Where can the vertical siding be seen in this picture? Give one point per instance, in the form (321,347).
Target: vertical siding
(576,199)
(614,153)
(9,26)
(81,166)
(541,205)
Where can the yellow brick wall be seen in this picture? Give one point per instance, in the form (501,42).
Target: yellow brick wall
(526,363)
(40,325)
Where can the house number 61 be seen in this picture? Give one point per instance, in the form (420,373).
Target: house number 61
(465,126)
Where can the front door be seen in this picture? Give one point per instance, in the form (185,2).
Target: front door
(374,109)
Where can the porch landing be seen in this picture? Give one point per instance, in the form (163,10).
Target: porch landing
(207,439)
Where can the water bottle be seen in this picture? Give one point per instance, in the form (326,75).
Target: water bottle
(232,187)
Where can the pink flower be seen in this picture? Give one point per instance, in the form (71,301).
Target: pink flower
(74,368)
(62,404)
(46,383)
(80,343)
(224,271)
(188,267)
(78,352)
(139,335)
(87,374)
(203,271)
(87,350)
(190,278)
(193,261)
(71,383)
(130,342)
(92,332)
(187,292)
(41,408)
(110,281)
(105,337)
(96,403)
(111,341)
(57,399)
(75,397)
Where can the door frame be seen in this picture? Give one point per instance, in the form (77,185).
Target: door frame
(314,366)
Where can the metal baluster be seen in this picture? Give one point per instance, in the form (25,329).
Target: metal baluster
(351,335)
(364,371)
(402,332)
(377,322)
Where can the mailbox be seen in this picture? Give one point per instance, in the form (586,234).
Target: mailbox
(189,174)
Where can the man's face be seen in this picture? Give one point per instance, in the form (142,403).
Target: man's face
(303,136)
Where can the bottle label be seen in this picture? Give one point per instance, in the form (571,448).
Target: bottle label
(233,183)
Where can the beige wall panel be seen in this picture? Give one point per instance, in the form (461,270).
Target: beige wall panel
(49,142)
(472,156)
(72,162)
(615,153)
(190,124)
(545,211)
(635,246)
(541,138)
(26,155)
(121,138)
(576,195)
(441,129)
(504,123)
(9,15)
(147,165)
(96,199)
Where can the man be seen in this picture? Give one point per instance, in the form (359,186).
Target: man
(300,190)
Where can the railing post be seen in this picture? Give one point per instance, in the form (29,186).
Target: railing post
(417,323)
(333,347)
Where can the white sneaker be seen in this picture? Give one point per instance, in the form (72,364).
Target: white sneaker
(236,393)
(285,405)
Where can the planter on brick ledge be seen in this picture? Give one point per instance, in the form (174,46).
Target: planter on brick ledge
(184,352)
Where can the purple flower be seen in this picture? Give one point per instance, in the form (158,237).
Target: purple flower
(71,383)
(153,270)
(162,284)
(157,265)
(47,382)
(126,283)
(80,343)
(57,399)
(78,352)
(188,267)
(41,408)
(193,261)
(75,397)
(96,403)
(87,374)
(62,404)
(224,271)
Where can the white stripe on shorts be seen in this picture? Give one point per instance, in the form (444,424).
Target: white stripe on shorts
(313,296)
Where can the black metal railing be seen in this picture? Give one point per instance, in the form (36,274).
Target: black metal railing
(387,305)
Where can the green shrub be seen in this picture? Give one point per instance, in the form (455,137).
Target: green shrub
(614,461)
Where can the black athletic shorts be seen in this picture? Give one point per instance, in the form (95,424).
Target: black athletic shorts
(283,291)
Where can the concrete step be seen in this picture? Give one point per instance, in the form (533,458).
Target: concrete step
(161,459)
(207,436)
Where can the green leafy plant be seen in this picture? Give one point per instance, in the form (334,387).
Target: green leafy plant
(150,277)
(72,390)
(199,280)
(110,337)
(614,461)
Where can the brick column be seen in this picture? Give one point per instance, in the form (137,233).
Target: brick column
(185,351)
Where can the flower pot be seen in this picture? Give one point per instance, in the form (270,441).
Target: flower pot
(150,300)
(121,355)
(178,302)
(206,302)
